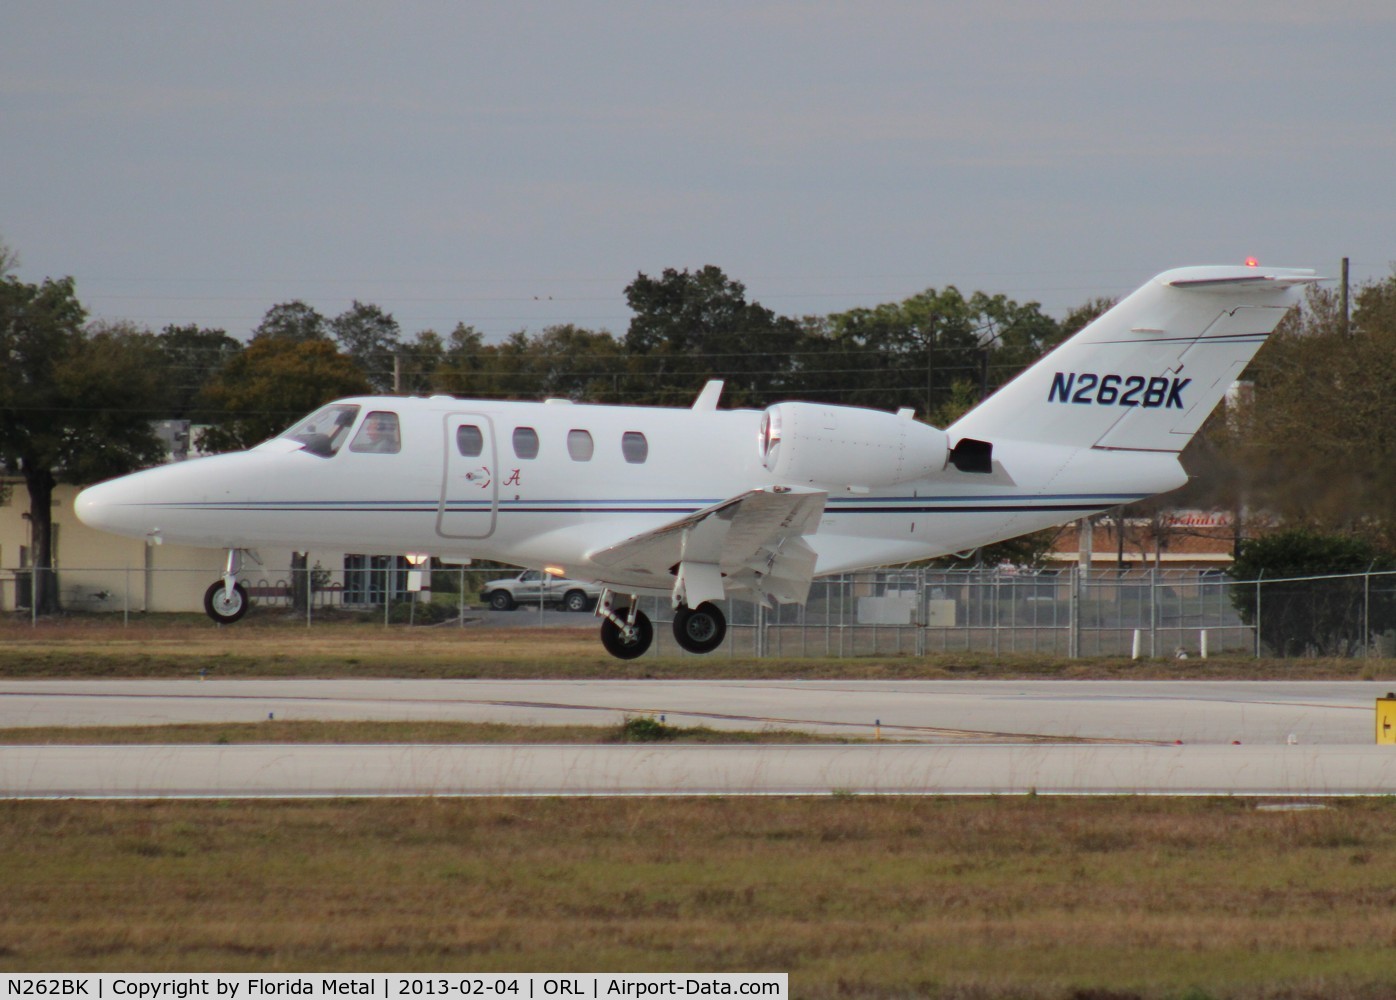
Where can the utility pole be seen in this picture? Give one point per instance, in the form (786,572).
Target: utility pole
(1344,298)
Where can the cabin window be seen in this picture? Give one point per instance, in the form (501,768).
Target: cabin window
(324,431)
(634,447)
(580,446)
(470,441)
(379,434)
(525,442)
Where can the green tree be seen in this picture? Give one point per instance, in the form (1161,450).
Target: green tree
(190,357)
(461,362)
(75,404)
(936,351)
(293,321)
(1083,315)
(689,327)
(421,359)
(908,353)
(1011,336)
(562,362)
(371,337)
(263,389)
(1302,616)
(1316,442)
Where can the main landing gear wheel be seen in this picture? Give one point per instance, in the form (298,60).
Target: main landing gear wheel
(225,608)
(627,643)
(700,629)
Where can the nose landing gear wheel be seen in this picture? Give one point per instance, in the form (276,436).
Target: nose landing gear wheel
(700,629)
(625,646)
(225,608)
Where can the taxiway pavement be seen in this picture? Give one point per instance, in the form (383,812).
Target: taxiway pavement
(1082,737)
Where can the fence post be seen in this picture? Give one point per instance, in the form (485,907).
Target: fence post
(994,611)
(1073,635)
(843,620)
(1257,613)
(1367,612)
(1153,612)
(923,611)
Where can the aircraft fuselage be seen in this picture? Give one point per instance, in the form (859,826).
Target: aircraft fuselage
(599,474)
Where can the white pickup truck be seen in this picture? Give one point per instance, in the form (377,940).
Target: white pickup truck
(533,587)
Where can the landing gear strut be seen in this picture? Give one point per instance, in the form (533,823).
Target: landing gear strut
(225,601)
(700,629)
(625,632)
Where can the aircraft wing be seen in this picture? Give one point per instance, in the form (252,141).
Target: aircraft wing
(752,543)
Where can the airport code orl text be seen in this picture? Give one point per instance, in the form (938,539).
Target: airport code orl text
(1118,390)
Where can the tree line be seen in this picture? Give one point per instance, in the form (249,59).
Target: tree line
(938,352)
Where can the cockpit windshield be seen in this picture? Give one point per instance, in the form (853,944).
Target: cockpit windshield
(325,430)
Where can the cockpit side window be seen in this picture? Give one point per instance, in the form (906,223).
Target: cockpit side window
(324,431)
(379,434)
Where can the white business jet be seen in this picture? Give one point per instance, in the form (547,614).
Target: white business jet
(701,504)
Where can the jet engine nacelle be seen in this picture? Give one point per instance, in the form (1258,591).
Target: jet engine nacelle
(809,443)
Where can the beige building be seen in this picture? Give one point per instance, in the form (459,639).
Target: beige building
(102,572)
(1176,539)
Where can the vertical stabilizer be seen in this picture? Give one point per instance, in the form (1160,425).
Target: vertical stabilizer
(1146,374)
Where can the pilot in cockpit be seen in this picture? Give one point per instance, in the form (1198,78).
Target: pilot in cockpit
(379,434)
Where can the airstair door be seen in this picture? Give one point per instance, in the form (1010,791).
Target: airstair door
(470,482)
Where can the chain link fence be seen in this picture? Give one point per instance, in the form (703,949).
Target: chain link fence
(1150,613)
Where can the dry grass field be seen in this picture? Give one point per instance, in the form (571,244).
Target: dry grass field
(279,646)
(861,897)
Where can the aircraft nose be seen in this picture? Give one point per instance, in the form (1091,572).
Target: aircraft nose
(111,506)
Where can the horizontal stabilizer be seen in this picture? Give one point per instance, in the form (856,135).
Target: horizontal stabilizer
(1277,279)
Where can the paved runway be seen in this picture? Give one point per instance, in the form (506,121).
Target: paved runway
(1086,737)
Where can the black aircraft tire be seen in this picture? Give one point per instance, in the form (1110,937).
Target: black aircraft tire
(220,608)
(615,643)
(700,629)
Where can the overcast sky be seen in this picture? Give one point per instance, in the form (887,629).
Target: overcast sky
(513,165)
